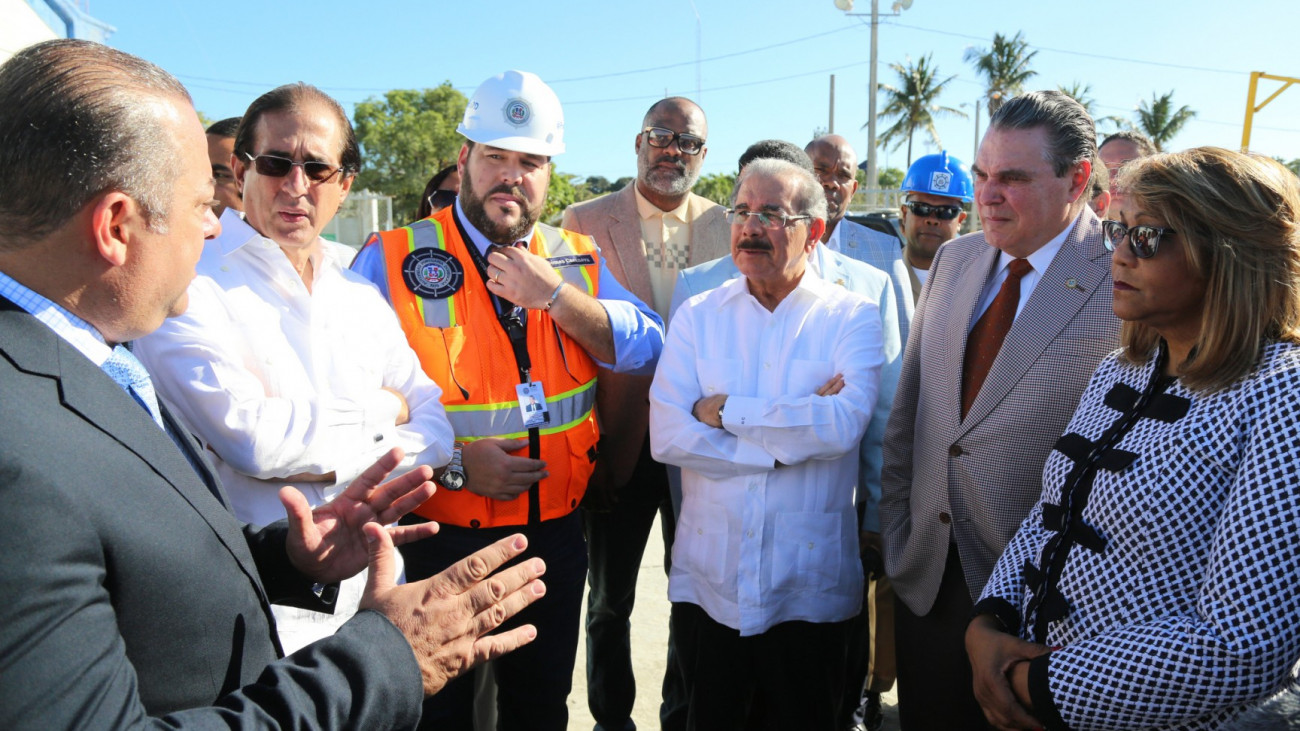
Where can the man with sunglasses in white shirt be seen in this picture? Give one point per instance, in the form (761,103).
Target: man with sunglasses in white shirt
(291,369)
(648,231)
(936,189)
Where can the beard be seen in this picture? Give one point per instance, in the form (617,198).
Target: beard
(475,209)
(675,182)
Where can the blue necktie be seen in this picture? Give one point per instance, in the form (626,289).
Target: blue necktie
(122,366)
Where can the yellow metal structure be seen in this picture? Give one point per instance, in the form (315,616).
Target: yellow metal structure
(1251,107)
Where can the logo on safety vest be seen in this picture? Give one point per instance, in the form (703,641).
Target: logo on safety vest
(432,273)
(517,112)
(940,181)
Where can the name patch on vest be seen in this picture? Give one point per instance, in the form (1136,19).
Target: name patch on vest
(432,273)
(572,260)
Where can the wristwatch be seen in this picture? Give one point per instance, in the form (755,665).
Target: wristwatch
(453,475)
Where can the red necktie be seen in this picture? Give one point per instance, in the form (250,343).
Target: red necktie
(986,337)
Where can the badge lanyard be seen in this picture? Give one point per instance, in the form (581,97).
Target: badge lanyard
(513,320)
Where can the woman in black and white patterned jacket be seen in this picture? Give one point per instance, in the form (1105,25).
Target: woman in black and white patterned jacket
(1157,582)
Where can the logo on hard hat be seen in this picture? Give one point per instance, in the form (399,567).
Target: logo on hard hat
(517,112)
(940,181)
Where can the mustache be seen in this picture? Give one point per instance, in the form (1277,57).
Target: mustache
(755,245)
(676,160)
(513,190)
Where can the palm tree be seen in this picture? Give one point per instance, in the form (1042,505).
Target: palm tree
(912,104)
(1005,67)
(1159,121)
(1079,92)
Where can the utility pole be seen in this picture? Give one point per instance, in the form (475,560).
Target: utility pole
(830,125)
(873,181)
(847,6)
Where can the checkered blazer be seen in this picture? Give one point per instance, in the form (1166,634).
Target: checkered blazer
(973,481)
(622,399)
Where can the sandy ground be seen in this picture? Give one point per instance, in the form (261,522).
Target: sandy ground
(649,640)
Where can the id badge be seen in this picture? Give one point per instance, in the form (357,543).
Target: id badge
(532,404)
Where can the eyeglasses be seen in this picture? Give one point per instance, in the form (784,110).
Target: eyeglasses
(773,221)
(1143,240)
(440,199)
(660,137)
(274,166)
(925,210)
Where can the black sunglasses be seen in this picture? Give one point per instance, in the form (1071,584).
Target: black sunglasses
(925,210)
(274,166)
(440,199)
(660,137)
(1143,240)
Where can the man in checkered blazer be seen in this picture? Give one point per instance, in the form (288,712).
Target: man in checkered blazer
(962,470)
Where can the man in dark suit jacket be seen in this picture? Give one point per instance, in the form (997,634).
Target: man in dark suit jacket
(963,461)
(129,590)
(647,232)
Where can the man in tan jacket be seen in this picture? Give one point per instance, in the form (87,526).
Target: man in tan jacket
(647,232)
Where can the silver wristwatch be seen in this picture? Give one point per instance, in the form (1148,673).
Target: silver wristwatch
(453,475)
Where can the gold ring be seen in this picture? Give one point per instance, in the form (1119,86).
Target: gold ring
(497,277)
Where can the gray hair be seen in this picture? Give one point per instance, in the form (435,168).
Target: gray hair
(76,121)
(1071,133)
(809,199)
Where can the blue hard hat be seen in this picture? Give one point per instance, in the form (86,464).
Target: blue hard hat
(940,174)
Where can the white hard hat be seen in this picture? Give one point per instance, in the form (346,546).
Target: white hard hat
(515,111)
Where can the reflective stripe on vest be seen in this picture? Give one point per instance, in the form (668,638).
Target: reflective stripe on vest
(476,421)
(428,233)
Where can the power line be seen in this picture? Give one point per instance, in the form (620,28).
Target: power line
(725,88)
(1081,53)
(614,74)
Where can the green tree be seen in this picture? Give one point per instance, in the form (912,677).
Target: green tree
(1005,67)
(890,178)
(1079,92)
(405,138)
(1293,166)
(716,187)
(1160,121)
(563,192)
(598,184)
(913,104)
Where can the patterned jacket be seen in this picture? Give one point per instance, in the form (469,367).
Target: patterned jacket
(1162,557)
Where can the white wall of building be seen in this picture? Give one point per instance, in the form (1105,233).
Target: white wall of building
(21,28)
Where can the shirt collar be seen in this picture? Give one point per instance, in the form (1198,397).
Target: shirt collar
(648,210)
(477,236)
(833,243)
(236,233)
(1042,258)
(77,332)
(810,283)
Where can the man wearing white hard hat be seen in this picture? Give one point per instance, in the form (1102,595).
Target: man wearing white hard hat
(502,310)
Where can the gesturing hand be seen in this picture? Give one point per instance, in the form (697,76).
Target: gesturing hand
(327,543)
(446,617)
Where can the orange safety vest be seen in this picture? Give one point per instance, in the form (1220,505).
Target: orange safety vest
(466,351)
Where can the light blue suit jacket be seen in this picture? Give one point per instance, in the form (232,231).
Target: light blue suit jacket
(885,253)
(860,278)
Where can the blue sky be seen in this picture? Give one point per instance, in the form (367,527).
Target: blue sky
(764,67)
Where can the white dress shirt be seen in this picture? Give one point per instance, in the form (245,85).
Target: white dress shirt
(758,544)
(278,381)
(1039,260)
